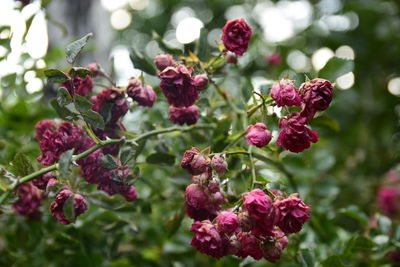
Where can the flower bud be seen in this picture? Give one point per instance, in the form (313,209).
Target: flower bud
(274,59)
(194,162)
(219,164)
(29,201)
(258,135)
(273,247)
(199,204)
(163,61)
(231,58)
(249,246)
(57,206)
(94,68)
(201,82)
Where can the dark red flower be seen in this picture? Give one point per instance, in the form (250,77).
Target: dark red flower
(201,81)
(163,61)
(295,136)
(29,201)
(285,94)
(195,162)
(249,246)
(57,206)
(42,126)
(178,86)
(274,59)
(273,246)
(227,222)
(202,204)
(258,135)
(111,97)
(316,95)
(219,164)
(388,200)
(42,180)
(82,86)
(143,94)
(236,35)
(184,115)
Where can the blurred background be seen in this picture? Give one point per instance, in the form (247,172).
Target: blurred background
(359,134)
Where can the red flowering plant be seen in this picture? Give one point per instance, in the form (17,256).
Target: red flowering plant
(244,200)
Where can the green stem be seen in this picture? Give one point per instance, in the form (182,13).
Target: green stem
(86,153)
(223,94)
(253,169)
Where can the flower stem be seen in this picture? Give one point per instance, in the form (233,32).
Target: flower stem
(86,153)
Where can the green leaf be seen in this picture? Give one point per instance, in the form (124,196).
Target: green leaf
(81,72)
(306,258)
(174,222)
(165,46)
(94,119)
(324,121)
(335,68)
(73,49)
(161,158)
(21,164)
(8,80)
(360,243)
(55,76)
(69,210)
(82,104)
(63,112)
(333,261)
(63,97)
(65,162)
(140,62)
(202,45)
(109,162)
(127,154)
(355,213)
(54,189)
(106,111)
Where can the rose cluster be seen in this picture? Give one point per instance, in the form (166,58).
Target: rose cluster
(295,136)
(181,88)
(257,228)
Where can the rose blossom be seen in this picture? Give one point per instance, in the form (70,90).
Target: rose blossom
(295,136)
(42,126)
(110,133)
(274,59)
(227,222)
(273,246)
(194,162)
(249,246)
(258,135)
(57,206)
(94,68)
(114,97)
(200,204)
(30,199)
(207,240)
(388,198)
(236,35)
(257,203)
(163,61)
(178,86)
(316,95)
(182,115)
(219,164)
(82,86)
(42,180)
(285,94)
(231,58)
(143,94)
(291,213)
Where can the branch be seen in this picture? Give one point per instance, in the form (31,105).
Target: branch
(86,153)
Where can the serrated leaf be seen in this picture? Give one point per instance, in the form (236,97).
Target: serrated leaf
(21,165)
(63,97)
(65,162)
(55,76)
(81,72)
(94,119)
(106,111)
(69,210)
(140,62)
(161,159)
(126,155)
(335,68)
(82,104)
(63,112)
(73,49)
(109,162)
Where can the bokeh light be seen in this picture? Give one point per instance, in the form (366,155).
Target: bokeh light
(321,57)
(188,30)
(346,81)
(394,86)
(120,19)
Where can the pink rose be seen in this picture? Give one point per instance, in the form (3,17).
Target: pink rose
(94,68)
(388,199)
(219,164)
(258,135)
(42,180)
(291,213)
(227,222)
(207,240)
(57,206)
(274,59)
(201,81)
(42,126)
(116,98)
(201,204)
(295,136)
(143,94)
(258,204)
(236,35)
(272,247)
(82,86)
(194,162)
(249,246)
(285,94)
(29,201)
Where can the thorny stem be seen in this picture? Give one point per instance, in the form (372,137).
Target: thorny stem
(86,153)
